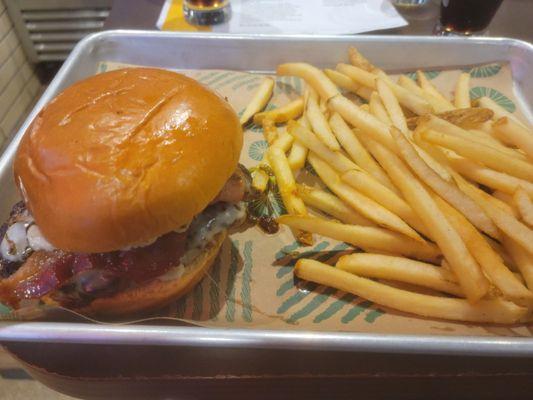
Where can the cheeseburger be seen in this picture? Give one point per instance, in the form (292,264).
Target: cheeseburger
(130,181)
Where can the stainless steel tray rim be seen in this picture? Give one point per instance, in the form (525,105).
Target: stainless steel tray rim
(110,334)
(52,332)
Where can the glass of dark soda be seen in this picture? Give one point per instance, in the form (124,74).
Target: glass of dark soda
(466,17)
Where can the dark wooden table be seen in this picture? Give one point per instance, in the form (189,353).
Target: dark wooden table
(513,19)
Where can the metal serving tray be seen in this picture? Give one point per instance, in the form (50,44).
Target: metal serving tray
(259,53)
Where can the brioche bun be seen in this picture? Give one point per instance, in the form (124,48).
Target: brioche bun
(123,157)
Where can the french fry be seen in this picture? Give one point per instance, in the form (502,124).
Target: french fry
(367,123)
(481,153)
(320,125)
(427,86)
(516,134)
(287,189)
(358,75)
(283,141)
(437,103)
(366,206)
(504,220)
(357,151)
(407,99)
(441,125)
(499,111)
(332,205)
(312,75)
(524,205)
(358,60)
(489,260)
(260,180)
(259,100)
(269,130)
(391,105)
(297,156)
(338,160)
(281,114)
(508,200)
(468,272)
(466,118)
(474,192)
(365,237)
(383,196)
(522,259)
(444,189)
(488,177)
(346,83)
(462,91)
(493,311)
(378,109)
(400,269)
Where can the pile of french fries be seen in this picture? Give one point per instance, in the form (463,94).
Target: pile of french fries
(436,192)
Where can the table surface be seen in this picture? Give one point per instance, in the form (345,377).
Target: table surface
(513,19)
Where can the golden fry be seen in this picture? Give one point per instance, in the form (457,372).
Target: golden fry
(481,153)
(462,91)
(524,204)
(332,205)
(359,202)
(281,114)
(444,189)
(313,76)
(515,134)
(320,125)
(499,111)
(489,260)
(365,237)
(378,109)
(437,103)
(427,86)
(357,151)
(488,177)
(400,269)
(358,60)
(259,100)
(474,284)
(493,311)
(391,105)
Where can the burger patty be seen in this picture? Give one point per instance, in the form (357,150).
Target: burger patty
(83,277)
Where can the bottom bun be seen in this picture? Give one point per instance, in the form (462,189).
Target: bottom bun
(158,292)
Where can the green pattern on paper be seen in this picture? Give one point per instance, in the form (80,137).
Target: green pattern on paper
(4,309)
(198,302)
(294,257)
(230,283)
(318,300)
(245,82)
(498,97)
(373,315)
(214,293)
(285,287)
(217,78)
(256,151)
(297,85)
(246,280)
(208,76)
(232,79)
(296,298)
(429,74)
(334,308)
(355,311)
(485,71)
